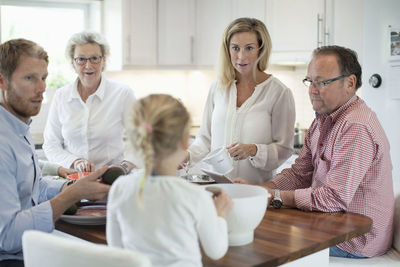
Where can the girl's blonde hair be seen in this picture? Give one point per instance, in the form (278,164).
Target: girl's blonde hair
(160,122)
(226,71)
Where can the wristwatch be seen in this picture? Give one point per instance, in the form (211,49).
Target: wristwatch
(125,166)
(277,200)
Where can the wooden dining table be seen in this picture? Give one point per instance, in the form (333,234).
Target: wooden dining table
(283,236)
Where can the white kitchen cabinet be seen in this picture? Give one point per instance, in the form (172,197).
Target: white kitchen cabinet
(348,22)
(187,33)
(194,28)
(249,8)
(176,32)
(296,28)
(139,32)
(157,33)
(212,17)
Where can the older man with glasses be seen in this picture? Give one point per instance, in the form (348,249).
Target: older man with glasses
(345,162)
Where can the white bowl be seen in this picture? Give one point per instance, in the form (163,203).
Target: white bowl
(250,205)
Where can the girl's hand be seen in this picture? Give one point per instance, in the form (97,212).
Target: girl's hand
(223,204)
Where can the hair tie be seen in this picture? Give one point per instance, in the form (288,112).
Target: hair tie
(148,128)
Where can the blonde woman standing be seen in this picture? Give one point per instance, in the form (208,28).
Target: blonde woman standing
(153,211)
(248,111)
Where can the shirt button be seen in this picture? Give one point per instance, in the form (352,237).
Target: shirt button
(321,144)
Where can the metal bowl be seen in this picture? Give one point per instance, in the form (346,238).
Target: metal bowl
(199,179)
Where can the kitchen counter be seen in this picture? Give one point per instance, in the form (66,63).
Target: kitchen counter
(285,235)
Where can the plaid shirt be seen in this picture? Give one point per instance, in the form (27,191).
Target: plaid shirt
(345,165)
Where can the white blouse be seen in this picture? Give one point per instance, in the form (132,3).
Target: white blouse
(91,130)
(265,119)
(167,223)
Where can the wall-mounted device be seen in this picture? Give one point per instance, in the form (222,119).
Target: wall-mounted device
(375,80)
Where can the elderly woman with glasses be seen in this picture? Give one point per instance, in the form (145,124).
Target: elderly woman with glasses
(87,117)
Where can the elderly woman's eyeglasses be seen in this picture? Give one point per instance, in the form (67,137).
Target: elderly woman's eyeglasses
(321,84)
(83,60)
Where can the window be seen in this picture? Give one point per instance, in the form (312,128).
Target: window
(50,24)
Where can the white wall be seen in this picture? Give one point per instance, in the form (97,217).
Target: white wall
(192,87)
(378,14)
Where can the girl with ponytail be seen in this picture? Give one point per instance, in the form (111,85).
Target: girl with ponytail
(155,212)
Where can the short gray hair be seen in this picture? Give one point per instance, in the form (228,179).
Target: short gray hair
(86,37)
(346,58)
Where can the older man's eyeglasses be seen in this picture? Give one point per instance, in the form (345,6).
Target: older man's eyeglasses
(321,84)
(83,60)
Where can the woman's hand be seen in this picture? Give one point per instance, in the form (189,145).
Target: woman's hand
(64,172)
(223,204)
(185,163)
(83,165)
(240,151)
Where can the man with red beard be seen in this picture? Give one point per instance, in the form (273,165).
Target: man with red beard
(345,162)
(26,200)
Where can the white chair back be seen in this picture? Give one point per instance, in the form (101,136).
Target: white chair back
(46,250)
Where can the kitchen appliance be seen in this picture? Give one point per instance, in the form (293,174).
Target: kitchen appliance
(299,135)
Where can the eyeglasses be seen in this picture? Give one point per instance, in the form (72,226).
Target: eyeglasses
(83,60)
(321,84)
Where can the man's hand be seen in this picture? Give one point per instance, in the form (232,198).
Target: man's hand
(88,187)
(239,180)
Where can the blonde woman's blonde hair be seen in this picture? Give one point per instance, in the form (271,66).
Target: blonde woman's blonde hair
(226,71)
(160,123)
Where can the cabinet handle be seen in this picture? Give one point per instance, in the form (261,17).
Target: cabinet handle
(326,40)
(319,24)
(192,49)
(128,44)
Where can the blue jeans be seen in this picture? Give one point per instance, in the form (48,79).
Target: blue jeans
(337,252)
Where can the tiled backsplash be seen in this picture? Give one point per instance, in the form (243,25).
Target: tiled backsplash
(192,86)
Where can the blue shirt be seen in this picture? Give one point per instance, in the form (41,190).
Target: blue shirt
(24,194)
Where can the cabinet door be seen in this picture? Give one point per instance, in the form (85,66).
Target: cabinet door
(348,24)
(176,32)
(249,8)
(293,25)
(212,19)
(140,32)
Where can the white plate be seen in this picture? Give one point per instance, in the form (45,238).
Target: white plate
(86,220)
